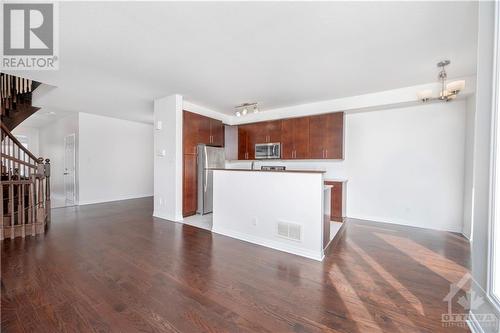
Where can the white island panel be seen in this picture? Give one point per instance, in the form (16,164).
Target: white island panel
(249,206)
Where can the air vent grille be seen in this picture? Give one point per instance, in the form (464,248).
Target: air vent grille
(290,230)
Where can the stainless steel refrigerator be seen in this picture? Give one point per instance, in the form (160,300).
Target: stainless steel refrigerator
(208,158)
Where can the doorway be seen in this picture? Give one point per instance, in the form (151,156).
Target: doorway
(69,170)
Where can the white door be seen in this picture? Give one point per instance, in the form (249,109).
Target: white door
(69,169)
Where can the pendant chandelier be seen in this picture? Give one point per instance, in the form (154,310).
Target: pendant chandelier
(449,91)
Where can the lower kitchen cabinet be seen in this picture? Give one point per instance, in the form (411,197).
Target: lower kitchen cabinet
(337,209)
(189,186)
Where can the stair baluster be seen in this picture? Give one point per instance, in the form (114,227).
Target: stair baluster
(25,189)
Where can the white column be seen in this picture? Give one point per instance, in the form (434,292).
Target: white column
(168,158)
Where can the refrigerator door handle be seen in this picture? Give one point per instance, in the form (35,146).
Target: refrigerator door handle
(206,171)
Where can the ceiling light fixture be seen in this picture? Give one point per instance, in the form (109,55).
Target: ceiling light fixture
(449,91)
(242,109)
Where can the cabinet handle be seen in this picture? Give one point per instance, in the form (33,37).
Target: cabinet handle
(326,153)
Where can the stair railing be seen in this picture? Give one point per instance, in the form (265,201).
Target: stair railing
(25,189)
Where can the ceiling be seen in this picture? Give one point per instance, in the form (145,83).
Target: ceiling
(115,58)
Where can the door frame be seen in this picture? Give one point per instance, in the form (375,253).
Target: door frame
(74,170)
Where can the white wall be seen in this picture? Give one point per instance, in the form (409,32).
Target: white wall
(52,146)
(33,136)
(114,159)
(168,168)
(403,165)
(243,210)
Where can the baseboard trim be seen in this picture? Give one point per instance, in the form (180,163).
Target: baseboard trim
(270,243)
(126,197)
(404,223)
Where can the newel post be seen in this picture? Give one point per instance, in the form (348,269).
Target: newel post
(40,175)
(47,188)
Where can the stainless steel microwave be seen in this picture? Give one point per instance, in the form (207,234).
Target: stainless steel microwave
(267,151)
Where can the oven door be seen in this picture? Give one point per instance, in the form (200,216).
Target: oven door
(267,151)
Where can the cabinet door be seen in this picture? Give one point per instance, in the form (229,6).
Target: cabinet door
(189,197)
(336,211)
(287,139)
(258,133)
(336,203)
(189,132)
(273,131)
(317,136)
(242,143)
(253,132)
(301,138)
(217,133)
(335,136)
(204,135)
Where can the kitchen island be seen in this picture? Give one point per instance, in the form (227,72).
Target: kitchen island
(284,210)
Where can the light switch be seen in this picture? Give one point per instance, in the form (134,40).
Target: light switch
(161,153)
(159,125)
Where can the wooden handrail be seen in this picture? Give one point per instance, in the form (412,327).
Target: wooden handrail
(24,191)
(19,144)
(8,157)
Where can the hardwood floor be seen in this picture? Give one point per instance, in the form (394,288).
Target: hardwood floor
(114,268)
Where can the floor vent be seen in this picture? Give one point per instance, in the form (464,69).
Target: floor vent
(290,230)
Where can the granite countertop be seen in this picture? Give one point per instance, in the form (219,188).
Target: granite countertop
(289,171)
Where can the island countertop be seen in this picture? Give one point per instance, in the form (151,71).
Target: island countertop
(289,171)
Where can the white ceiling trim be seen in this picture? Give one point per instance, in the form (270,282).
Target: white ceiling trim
(368,102)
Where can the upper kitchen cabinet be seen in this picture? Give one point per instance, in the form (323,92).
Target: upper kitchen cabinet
(326,135)
(314,137)
(190,132)
(295,138)
(273,130)
(246,141)
(200,129)
(267,132)
(216,133)
(211,131)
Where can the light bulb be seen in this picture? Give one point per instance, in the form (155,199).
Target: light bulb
(424,95)
(238,114)
(255,109)
(244,111)
(455,86)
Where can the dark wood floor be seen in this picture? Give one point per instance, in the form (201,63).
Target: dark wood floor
(112,267)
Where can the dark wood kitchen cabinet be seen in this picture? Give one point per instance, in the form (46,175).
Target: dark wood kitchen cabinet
(337,200)
(246,141)
(196,129)
(189,185)
(266,132)
(314,137)
(210,131)
(295,138)
(326,135)
(217,133)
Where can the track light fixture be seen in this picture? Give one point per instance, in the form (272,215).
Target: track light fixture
(243,109)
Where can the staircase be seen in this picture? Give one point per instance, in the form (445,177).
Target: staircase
(24,178)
